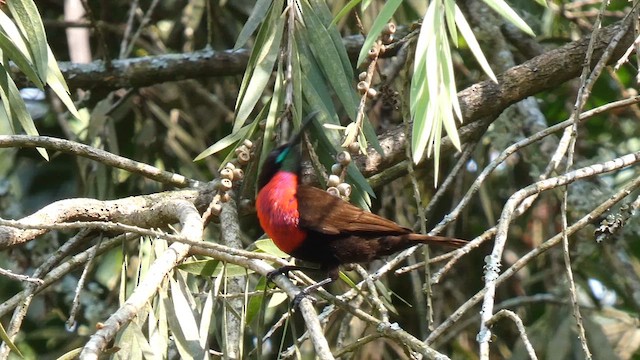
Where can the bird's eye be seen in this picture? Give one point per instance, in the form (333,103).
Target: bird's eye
(282,155)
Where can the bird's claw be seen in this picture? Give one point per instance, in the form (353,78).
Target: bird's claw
(295,303)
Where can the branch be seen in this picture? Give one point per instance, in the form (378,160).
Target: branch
(144,211)
(533,254)
(102,156)
(192,228)
(492,267)
(488,99)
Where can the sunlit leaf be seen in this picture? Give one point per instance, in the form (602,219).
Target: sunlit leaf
(502,8)
(213,268)
(28,19)
(269,247)
(470,38)
(267,48)
(449,12)
(183,323)
(23,62)
(144,346)
(345,10)
(59,86)
(327,56)
(259,13)
(381,20)
(5,337)
(205,319)
(274,110)
(227,141)
(19,109)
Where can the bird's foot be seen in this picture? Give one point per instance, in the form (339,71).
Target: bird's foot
(306,292)
(284,270)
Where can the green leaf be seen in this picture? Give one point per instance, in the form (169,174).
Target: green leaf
(205,319)
(274,109)
(268,247)
(184,326)
(381,20)
(28,20)
(345,10)
(470,38)
(213,268)
(227,141)
(259,13)
(4,114)
(502,8)
(12,51)
(449,11)
(56,81)
(267,48)
(5,337)
(18,108)
(328,57)
(72,354)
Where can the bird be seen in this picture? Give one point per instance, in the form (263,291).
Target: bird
(312,225)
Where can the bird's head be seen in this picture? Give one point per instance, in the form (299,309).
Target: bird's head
(285,157)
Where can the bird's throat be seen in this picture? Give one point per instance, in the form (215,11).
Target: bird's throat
(277,208)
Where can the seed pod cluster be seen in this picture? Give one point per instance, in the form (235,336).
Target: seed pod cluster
(335,184)
(387,33)
(243,152)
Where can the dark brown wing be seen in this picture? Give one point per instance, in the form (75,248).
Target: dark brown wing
(330,215)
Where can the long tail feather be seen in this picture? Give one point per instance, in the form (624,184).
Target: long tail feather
(436,240)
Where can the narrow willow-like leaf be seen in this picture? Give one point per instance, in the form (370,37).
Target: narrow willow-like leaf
(470,38)
(297,83)
(324,15)
(449,77)
(381,20)
(19,110)
(213,268)
(269,247)
(205,319)
(4,117)
(259,13)
(71,355)
(345,10)
(14,34)
(327,56)
(274,109)
(227,141)
(448,94)
(268,54)
(28,19)
(262,37)
(502,8)
(313,82)
(144,346)
(23,62)
(5,337)
(56,81)
(4,95)
(449,12)
(187,326)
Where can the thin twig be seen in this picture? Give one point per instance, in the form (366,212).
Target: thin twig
(104,157)
(533,254)
(521,330)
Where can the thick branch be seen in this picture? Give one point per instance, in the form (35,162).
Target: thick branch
(144,211)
